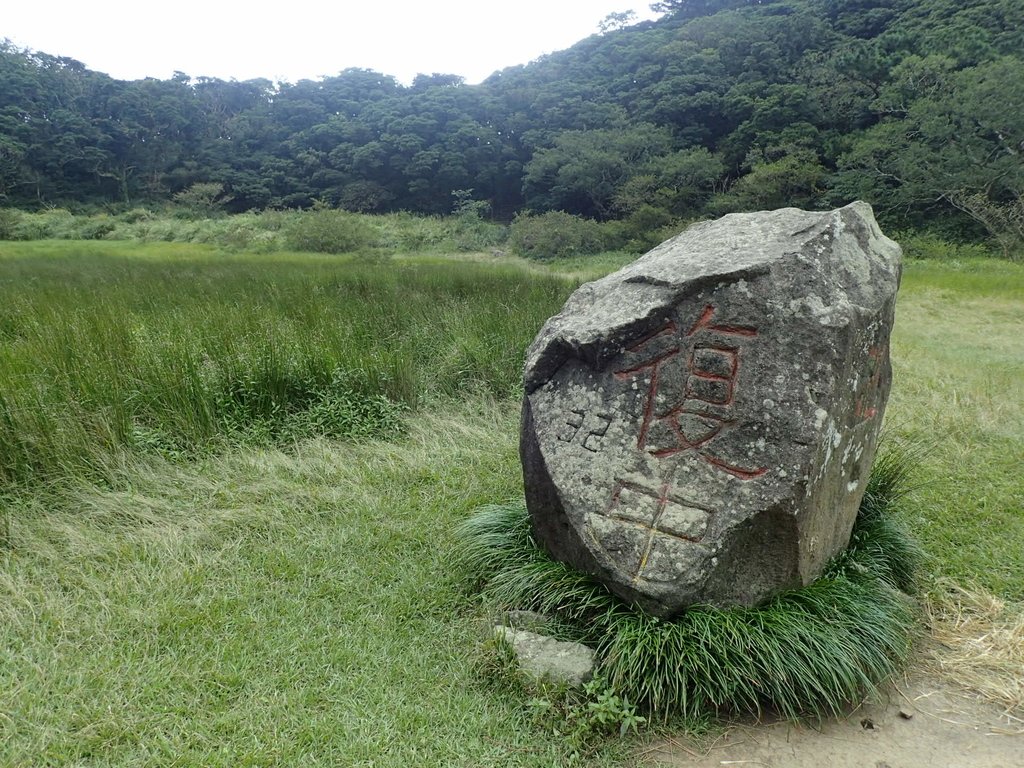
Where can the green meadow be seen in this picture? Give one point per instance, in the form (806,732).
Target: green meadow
(229,484)
(111,350)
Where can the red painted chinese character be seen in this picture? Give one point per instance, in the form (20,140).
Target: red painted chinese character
(656,518)
(687,412)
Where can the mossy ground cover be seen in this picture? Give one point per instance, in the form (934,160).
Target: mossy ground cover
(297,602)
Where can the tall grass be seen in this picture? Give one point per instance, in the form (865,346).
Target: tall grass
(319,231)
(104,351)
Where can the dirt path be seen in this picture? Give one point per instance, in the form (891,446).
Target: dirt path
(923,722)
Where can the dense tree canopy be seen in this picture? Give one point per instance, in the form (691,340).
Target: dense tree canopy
(914,105)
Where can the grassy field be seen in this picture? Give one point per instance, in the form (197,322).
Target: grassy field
(109,348)
(177,588)
(958,395)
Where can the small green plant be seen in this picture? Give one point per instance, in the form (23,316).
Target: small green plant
(606,711)
(585,716)
(202,200)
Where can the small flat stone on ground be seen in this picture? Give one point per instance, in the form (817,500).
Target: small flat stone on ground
(546,659)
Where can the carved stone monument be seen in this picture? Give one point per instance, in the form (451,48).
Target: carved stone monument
(699,426)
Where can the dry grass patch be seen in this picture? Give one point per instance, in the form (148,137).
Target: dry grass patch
(980,644)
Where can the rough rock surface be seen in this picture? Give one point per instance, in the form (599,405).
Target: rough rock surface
(545,658)
(699,426)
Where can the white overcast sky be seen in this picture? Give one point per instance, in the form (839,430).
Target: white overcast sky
(289,41)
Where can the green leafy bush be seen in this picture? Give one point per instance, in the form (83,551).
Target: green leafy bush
(9,218)
(472,233)
(642,229)
(53,224)
(94,227)
(555,235)
(329,231)
(202,200)
(926,245)
(135,215)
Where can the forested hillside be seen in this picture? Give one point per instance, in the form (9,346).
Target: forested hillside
(914,105)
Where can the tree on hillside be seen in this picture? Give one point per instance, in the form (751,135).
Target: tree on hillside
(911,104)
(583,171)
(691,9)
(948,139)
(680,184)
(614,21)
(436,80)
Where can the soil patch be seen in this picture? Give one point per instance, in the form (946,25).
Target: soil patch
(920,722)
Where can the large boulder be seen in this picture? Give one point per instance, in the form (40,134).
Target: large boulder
(699,426)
